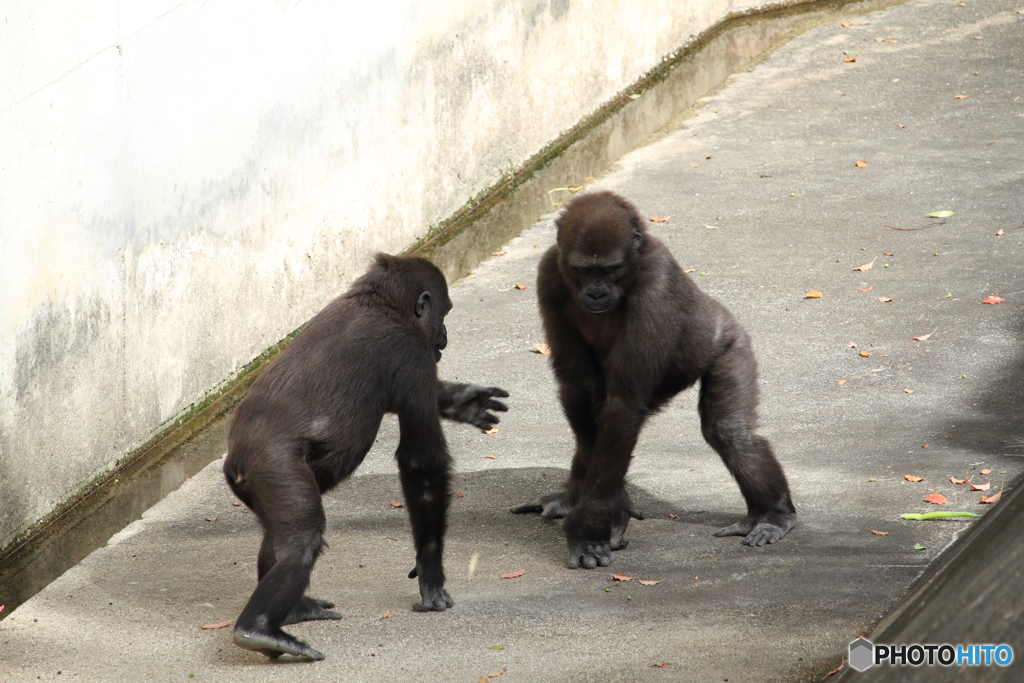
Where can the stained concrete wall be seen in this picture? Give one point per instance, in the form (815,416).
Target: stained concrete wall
(183,183)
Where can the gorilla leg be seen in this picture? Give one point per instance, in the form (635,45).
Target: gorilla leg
(728,410)
(293,519)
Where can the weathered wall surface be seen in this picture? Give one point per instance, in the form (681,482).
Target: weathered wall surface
(184,182)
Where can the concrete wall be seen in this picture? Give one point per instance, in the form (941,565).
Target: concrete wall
(183,183)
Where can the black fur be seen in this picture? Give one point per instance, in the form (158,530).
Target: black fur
(628,330)
(310,418)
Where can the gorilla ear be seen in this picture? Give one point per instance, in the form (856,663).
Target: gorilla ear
(421,304)
(638,238)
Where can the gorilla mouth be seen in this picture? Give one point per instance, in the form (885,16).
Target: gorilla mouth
(599,311)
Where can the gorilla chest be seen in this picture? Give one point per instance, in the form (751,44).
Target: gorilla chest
(600,332)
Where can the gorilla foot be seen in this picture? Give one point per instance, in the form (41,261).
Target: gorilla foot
(274,645)
(553,506)
(434,600)
(760,529)
(311,609)
(590,554)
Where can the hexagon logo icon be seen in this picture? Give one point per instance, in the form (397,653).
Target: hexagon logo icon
(862,654)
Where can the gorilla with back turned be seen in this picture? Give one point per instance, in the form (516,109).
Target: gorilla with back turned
(310,418)
(628,330)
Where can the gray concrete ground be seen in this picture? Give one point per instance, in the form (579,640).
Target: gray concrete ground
(765,201)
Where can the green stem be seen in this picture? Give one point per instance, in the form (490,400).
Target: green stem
(938,515)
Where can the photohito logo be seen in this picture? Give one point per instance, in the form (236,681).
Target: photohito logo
(865,654)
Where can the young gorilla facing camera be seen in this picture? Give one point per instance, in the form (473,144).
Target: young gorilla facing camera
(310,418)
(628,330)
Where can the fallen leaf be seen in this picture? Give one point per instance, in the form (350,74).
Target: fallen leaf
(710,227)
(543,349)
(852,345)
(987,470)
(649,582)
(999,231)
(849,59)
(459,494)
(908,391)
(846,24)
(211,519)
(941,214)
(960,97)
(835,670)
(992,300)
(866,266)
(862,164)
(495,647)
(885,299)
(865,354)
(395,504)
(535,246)
(219,624)
(918,546)
(498,253)
(671,516)
(901,125)
(387,615)
(661,665)
(813,294)
(694,165)
(518,286)
(840,382)
(498,673)
(621,577)
(237,504)
(492,430)
(662,219)
(490,457)
(879,533)
(866,289)
(923,337)
(981,487)
(991,500)
(960,5)
(513,575)
(937,499)
(954,480)
(690,270)
(912,477)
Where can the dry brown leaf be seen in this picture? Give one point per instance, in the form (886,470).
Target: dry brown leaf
(543,349)
(236,504)
(954,480)
(387,615)
(219,624)
(849,59)
(649,582)
(923,337)
(937,499)
(841,382)
(865,354)
(885,299)
(694,165)
(866,266)
(960,97)
(987,470)
(862,164)
(846,24)
(981,487)
(924,445)
(395,504)
(992,300)
(813,294)
(888,253)
(621,577)
(912,477)
(535,246)
(492,430)
(866,289)
(498,253)
(879,533)
(661,665)
(513,575)
(852,345)
(671,516)
(991,500)
(491,457)
(211,519)
(999,231)
(836,670)
(690,270)
(908,391)
(459,494)
(519,286)
(656,219)
(495,674)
